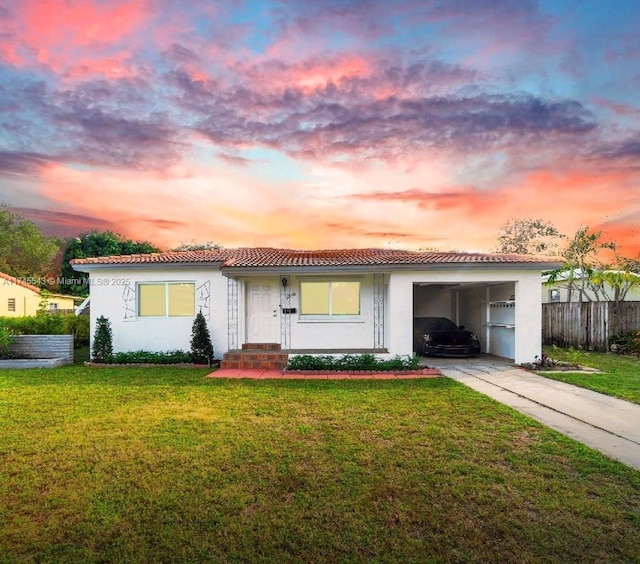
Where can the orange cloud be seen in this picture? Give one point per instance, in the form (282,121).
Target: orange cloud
(342,205)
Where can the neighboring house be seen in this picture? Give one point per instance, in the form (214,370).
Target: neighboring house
(562,291)
(18,298)
(331,301)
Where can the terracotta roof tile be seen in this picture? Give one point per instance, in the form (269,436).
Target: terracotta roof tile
(270,257)
(169,257)
(19,282)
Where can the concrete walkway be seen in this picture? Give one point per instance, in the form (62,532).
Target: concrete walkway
(607,424)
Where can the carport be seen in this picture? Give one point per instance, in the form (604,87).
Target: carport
(500,302)
(486,308)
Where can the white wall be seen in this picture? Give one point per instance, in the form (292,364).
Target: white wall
(109,288)
(330,334)
(528,313)
(433,301)
(472,313)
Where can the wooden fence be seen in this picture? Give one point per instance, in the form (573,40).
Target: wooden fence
(588,324)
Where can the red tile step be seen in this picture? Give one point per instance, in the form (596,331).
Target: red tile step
(256,356)
(262,346)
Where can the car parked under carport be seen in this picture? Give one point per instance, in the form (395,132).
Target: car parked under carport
(439,336)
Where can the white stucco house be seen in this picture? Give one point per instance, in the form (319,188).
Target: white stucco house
(329,301)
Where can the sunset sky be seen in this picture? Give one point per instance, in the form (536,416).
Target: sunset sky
(321,124)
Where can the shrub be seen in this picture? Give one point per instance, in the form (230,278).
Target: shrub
(102,341)
(201,347)
(6,338)
(51,324)
(78,326)
(352,362)
(628,343)
(149,357)
(42,324)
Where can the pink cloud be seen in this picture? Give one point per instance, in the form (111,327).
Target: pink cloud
(75,38)
(9,55)
(617,108)
(80,23)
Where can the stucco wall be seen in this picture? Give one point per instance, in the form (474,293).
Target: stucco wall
(472,313)
(433,301)
(113,294)
(339,333)
(61,301)
(26,300)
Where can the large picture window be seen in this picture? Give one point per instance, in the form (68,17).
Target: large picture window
(330,298)
(173,299)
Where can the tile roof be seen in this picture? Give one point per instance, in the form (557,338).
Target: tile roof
(19,282)
(269,257)
(219,255)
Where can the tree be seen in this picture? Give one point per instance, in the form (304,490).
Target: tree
(102,348)
(193,246)
(24,251)
(95,244)
(201,347)
(588,276)
(528,236)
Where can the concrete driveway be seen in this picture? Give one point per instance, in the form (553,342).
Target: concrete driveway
(607,424)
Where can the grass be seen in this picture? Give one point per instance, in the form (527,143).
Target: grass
(620,377)
(163,465)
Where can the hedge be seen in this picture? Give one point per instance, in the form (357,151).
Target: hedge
(50,324)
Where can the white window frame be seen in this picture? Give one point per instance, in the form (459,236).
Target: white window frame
(333,318)
(166,284)
(556,292)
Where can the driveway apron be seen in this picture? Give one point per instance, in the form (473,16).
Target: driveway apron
(607,424)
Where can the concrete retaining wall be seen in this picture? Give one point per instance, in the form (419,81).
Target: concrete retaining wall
(43,346)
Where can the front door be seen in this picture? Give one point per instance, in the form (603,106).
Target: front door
(263,311)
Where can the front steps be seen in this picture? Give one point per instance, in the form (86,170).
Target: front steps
(263,356)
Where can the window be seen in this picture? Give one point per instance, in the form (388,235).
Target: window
(53,306)
(11,304)
(173,299)
(554,295)
(330,298)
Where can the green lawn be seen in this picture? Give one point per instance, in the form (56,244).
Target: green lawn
(620,377)
(163,465)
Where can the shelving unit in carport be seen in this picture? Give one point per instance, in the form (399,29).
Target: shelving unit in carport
(500,326)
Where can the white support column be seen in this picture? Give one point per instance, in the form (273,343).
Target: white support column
(487,305)
(401,315)
(528,314)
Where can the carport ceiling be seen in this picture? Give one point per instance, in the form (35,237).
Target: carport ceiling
(459,286)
